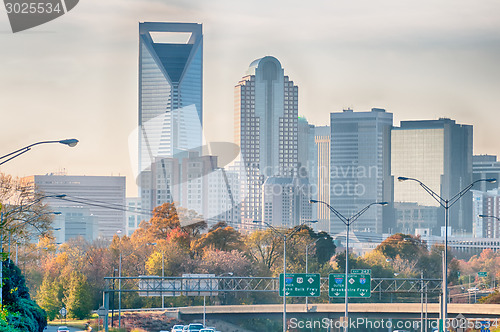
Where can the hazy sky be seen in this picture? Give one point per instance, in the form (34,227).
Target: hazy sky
(77,75)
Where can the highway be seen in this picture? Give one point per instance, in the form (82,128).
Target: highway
(53,328)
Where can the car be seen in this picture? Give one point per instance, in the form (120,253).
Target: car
(185,327)
(195,327)
(63,329)
(177,328)
(208,329)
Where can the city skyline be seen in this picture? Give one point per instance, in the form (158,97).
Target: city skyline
(77,76)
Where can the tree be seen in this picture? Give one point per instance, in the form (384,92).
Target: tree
(166,218)
(175,259)
(263,247)
(22,210)
(78,299)
(222,237)
(407,247)
(21,312)
(219,262)
(49,297)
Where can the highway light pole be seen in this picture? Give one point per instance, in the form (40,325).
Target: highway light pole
(71,142)
(446,204)
(307,251)
(347,222)
(285,237)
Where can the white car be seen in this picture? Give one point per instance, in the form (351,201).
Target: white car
(63,329)
(176,328)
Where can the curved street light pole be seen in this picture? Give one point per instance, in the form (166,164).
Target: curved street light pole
(71,142)
(446,204)
(307,252)
(347,222)
(285,238)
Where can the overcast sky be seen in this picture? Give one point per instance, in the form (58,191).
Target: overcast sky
(77,75)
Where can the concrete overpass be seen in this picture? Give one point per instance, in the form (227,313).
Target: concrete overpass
(336,310)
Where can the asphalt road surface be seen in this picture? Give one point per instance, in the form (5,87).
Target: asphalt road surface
(53,328)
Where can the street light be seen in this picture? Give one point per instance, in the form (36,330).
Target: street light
(307,250)
(71,142)
(347,222)
(446,204)
(162,275)
(285,238)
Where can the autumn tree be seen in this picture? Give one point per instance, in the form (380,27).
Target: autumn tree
(49,297)
(78,299)
(165,219)
(264,249)
(219,237)
(22,210)
(173,256)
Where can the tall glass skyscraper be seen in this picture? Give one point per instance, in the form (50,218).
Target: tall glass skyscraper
(170,96)
(360,169)
(266,122)
(438,153)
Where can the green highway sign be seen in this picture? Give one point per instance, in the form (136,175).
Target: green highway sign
(358,285)
(362,271)
(482,274)
(301,284)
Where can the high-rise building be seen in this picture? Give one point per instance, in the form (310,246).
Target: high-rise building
(103,196)
(266,120)
(486,167)
(196,183)
(286,201)
(360,169)
(439,154)
(134,215)
(486,204)
(306,151)
(321,183)
(170,95)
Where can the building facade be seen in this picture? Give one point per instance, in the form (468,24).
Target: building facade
(321,183)
(103,196)
(266,129)
(439,154)
(285,201)
(360,167)
(170,97)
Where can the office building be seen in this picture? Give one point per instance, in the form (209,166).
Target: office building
(285,201)
(75,222)
(194,182)
(321,182)
(103,196)
(485,167)
(170,96)
(266,125)
(134,215)
(439,154)
(360,168)
(487,204)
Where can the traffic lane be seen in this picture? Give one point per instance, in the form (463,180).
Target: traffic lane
(53,328)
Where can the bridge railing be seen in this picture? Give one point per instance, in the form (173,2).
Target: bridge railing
(199,286)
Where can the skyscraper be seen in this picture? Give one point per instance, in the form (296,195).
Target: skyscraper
(438,153)
(170,95)
(266,117)
(321,183)
(360,167)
